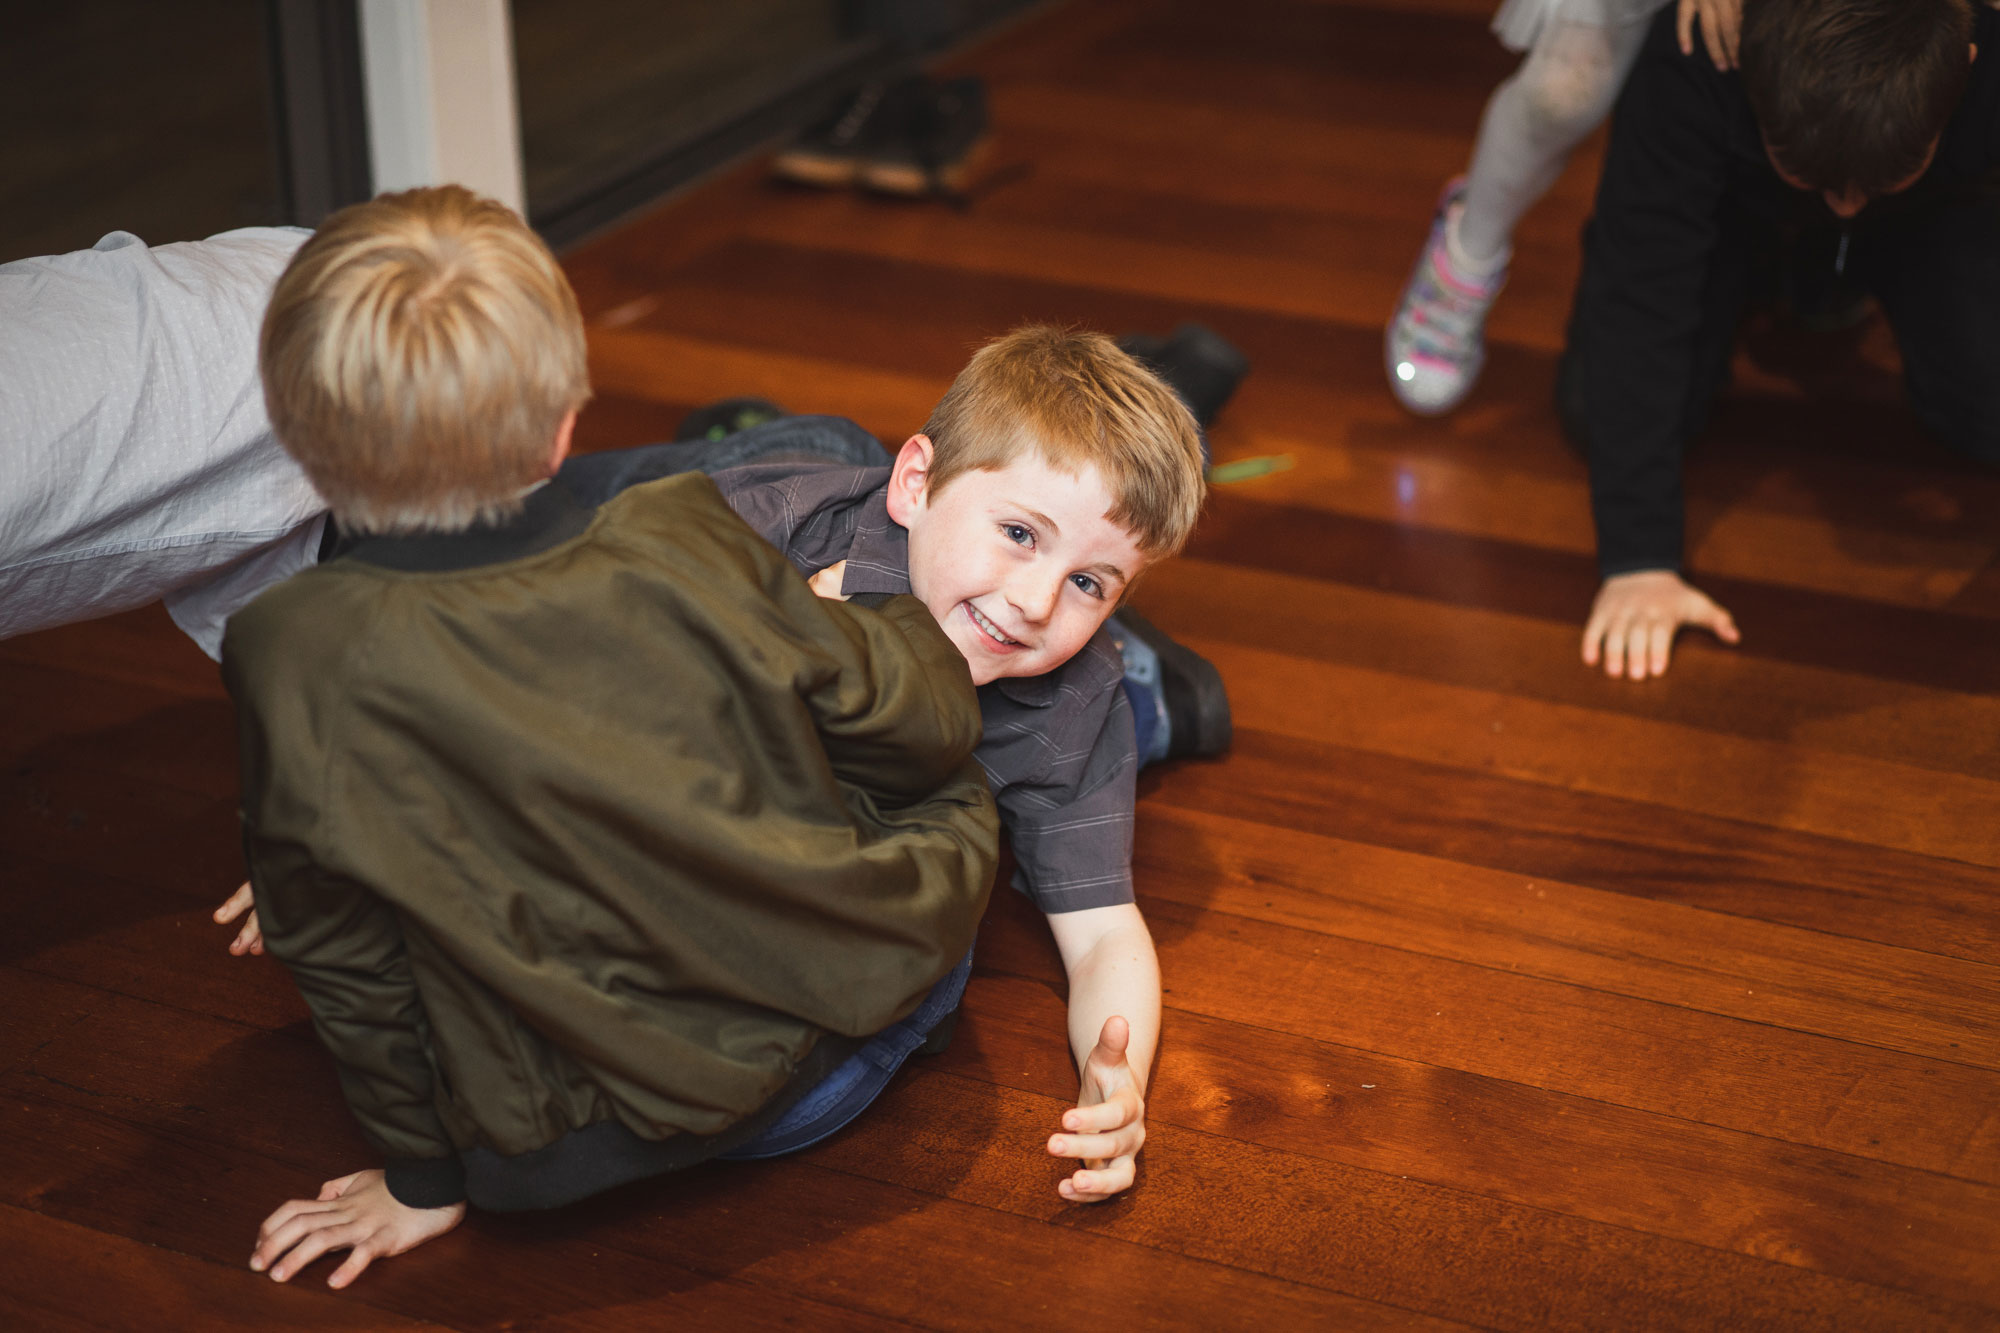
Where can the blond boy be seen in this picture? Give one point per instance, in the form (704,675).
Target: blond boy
(597,844)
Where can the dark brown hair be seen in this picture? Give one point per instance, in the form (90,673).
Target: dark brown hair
(1850,94)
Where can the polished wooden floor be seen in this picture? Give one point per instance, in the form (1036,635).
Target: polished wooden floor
(1500,995)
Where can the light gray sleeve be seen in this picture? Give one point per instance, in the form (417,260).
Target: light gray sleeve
(136,460)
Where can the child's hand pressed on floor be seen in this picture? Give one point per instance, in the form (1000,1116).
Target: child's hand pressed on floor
(355,1213)
(1721,24)
(1108,1125)
(1636,616)
(250,939)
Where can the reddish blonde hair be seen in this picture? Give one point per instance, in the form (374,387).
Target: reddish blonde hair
(1078,400)
(419,355)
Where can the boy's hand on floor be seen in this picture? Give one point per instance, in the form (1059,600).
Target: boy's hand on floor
(1108,1125)
(827,582)
(1635,617)
(355,1213)
(250,939)
(1721,24)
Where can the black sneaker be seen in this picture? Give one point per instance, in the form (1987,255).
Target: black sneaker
(1197,363)
(719,421)
(934,147)
(830,151)
(1197,704)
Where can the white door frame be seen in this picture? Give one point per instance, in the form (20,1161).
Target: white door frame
(439,78)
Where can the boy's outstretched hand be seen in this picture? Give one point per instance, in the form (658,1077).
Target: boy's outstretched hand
(250,939)
(1108,1125)
(355,1213)
(1635,617)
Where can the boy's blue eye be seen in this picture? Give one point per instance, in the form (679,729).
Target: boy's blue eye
(1088,584)
(1018,533)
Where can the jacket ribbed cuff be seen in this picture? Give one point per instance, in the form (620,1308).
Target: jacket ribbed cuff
(429,1182)
(1638,564)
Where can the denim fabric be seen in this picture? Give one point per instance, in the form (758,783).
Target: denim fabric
(595,478)
(859,1080)
(1143,691)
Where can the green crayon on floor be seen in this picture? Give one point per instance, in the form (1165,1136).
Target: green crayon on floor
(1243,469)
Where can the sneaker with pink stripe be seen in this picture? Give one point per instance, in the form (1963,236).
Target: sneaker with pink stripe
(1436,343)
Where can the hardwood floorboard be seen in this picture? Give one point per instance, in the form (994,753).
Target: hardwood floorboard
(181,1194)
(1763,525)
(139,647)
(1400,1242)
(1906,1000)
(218,1093)
(1790,786)
(1499,994)
(1934,1115)
(1724,1189)
(178,1291)
(97,823)
(612,420)
(107,1061)
(1631,847)
(61,718)
(147,937)
(1712,690)
(1790,625)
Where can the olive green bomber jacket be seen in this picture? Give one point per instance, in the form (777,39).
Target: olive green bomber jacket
(592,826)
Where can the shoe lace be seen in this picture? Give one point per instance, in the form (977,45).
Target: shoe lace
(858,113)
(1446,314)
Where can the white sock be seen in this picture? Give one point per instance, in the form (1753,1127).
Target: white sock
(1476,271)
(1561,92)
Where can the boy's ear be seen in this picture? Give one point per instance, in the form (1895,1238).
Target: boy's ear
(565,429)
(910,480)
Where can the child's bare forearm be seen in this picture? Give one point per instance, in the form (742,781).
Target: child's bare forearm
(1108,953)
(1114,1028)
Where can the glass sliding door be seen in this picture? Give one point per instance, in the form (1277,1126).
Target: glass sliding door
(607,87)
(138,116)
(622,100)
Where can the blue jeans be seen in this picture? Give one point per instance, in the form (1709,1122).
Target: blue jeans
(858,1080)
(1143,691)
(595,478)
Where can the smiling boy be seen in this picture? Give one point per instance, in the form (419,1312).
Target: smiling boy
(1051,475)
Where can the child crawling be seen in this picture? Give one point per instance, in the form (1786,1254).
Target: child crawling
(592,837)
(594,729)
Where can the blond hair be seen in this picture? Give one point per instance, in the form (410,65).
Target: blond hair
(419,355)
(1077,400)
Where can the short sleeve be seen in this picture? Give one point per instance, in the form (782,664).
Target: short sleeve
(1070,819)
